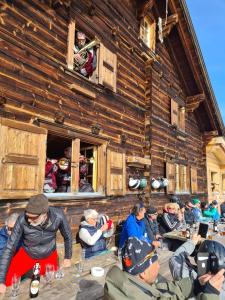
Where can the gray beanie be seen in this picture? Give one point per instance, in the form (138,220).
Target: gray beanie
(37,205)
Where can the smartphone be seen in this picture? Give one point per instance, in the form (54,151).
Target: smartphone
(203,264)
(203,229)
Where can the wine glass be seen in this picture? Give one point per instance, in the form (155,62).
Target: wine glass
(49,273)
(15,285)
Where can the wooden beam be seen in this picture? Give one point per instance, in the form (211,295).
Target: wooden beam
(193,102)
(82,90)
(143,7)
(169,23)
(209,135)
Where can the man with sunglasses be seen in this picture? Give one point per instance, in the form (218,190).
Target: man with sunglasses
(36,228)
(6,230)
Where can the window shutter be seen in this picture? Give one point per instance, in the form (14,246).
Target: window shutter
(174,112)
(107,68)
(153,36)
(170,175)
(182,118)
(22,159)
(75,173)
(101,173)
(70,44)
(183,178)
(116,173)
(194,180)
(188,179)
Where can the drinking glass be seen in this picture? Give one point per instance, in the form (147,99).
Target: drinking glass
(49,273)
(15,285)
(59,274)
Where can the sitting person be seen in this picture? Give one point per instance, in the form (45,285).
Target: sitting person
(197,209)
(151,225)
(212,211)
(36,228)
(181,266)
(91,234)
(222,210)
(188,213)
(139,276)
(171,219)
(6,231)
(134,225)
(85,63)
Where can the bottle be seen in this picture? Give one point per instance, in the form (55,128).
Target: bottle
(35,281)
(215,228)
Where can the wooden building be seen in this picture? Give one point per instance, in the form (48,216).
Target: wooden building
(148,110)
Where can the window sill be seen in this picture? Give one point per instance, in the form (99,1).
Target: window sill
(73,196)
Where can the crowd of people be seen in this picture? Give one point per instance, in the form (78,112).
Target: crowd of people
(31,237)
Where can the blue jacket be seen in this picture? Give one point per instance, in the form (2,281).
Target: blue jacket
(197,213)
(133,227)
(3,239)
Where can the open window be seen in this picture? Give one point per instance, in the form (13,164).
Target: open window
(177,115)
(148,32)
(90,58)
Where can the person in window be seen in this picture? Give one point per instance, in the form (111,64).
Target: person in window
(85,62)
(64,172)
(6,231)
(51,169)
(91,234)
(134,225)
(84,185)
(36,228)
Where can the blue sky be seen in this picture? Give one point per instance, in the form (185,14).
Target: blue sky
(208,18)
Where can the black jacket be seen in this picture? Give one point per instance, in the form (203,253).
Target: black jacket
(37,241)
(152,228)
(189,216)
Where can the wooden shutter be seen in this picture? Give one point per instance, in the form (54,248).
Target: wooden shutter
(174,112)
(116,173)
(101,173)
(153,36)
(183,178)
(171,176)
(107,68)
(70,44)
(22,159)
(188,179)
(75,175)
(182,118)
(194,180)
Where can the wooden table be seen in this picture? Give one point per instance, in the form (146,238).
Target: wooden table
(71,287)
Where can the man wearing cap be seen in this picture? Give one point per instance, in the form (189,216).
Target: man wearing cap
(36,228)
(84,65)
(151,224)
(140,272)
(196,209)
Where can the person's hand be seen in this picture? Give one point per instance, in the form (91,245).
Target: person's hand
(180,216)
(2,288)
(196,238)
(204,278)
(217,280)
(66,263)
(156,244)
(104,227)
(78,58)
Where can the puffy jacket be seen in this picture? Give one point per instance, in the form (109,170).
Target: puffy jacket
(152,228)
(37,241)
(133,227)
(212,212)
(123,286)
(98,246)
(3,239)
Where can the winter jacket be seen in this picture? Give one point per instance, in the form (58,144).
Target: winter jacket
(212,213)
(152,228)
(170,222)
(189,216)
(197,213)
(181,267)
(37,241)
(123,286)
(92,240)
(133,227)
(3,239)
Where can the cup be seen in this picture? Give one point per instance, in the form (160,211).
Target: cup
(184,232)
(15,285)
(49,273)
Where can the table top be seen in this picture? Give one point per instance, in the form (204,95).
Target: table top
(72,285)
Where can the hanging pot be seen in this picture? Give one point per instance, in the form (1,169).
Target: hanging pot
(133,183)
(143,183)
(164,182)
(155,183)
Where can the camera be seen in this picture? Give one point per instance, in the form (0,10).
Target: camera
(207,262)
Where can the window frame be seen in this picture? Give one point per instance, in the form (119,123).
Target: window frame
(149,37)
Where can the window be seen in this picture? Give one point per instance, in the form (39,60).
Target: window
(177,115)
(147,33)
(97,63)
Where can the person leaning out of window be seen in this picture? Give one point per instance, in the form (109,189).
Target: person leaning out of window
(91,234)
